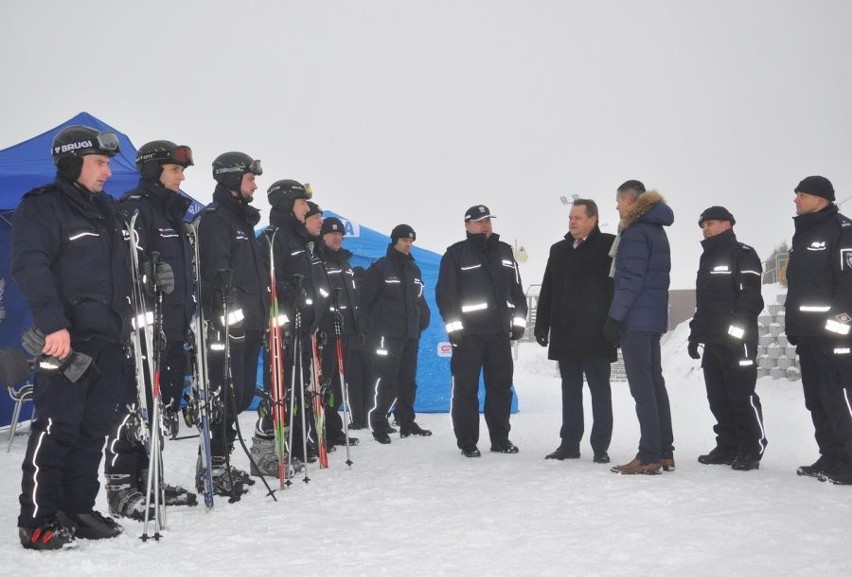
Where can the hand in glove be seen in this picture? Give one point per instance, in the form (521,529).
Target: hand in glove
(359,341)
(793,340)
(692,350)
(162,276)
(517,333)
(612,329)
(454,338)
(541,339)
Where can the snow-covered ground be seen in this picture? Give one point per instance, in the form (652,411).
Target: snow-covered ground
(417,507)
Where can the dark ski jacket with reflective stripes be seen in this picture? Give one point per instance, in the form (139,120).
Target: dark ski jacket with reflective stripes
(72,262)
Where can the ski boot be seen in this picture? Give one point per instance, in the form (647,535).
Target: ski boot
(174,495)
(91,525)
(225,483)
(125,499)
(49,536)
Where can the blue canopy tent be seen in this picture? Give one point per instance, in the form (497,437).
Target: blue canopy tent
(23,167)
(434,380)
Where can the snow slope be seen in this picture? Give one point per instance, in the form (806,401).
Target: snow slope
(417,507)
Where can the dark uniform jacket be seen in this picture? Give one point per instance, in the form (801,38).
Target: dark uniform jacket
(160,228)
(297,263)
(226,241)
(341,281)
(727,291)
(819,276)
(575,296)
(72,263)
(391,297)
(642,265)
(479,287)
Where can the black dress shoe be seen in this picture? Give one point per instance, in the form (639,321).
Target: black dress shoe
(563,453)
(601,457)
(382,437)
(471,451)
(504,447)
(413,429)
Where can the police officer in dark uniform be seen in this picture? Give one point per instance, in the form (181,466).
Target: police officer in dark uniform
(344,310)
(482,301)
(72,265)
(396,311)
(160,231)
(727,302)
(818,322)
(233,275)
(299,275)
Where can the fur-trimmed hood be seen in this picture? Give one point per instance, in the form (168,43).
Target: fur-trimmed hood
(649,207)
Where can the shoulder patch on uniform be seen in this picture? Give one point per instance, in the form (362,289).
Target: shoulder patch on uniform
(744,246)
(41,190)
(843,220)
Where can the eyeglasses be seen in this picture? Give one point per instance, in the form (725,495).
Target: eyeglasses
(108,142)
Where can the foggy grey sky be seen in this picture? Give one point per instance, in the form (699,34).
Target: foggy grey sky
(411,112)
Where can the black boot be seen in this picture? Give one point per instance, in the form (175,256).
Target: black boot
(718,456)
(49,536)
(125,499)
(413,429)
(91,525)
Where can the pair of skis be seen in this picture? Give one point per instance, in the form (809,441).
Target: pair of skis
(147,342)
(204,407)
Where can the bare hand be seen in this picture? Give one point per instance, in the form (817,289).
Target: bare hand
(58,344)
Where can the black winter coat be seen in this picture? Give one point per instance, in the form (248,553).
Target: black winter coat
(160,228)
(576,293)
(479,285)
(226,241)
(72,263)
(298,263)
(819,275)
(391,297)
(727,290)
(342,279)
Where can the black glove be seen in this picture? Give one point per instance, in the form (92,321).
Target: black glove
(692,350)
(163,277)
(517,333)
(793,340)
(541,339)
(74,365)
(612,329)
(359,341)
(454,338)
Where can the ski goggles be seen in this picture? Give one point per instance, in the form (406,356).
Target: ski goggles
(180,155)
(254,168)
(107,142)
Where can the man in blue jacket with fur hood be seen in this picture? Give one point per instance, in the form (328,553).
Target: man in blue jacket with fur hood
(638,317)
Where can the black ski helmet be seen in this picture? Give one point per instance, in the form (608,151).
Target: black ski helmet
(229,168)
(72,143)
(282,193)
(151,157)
